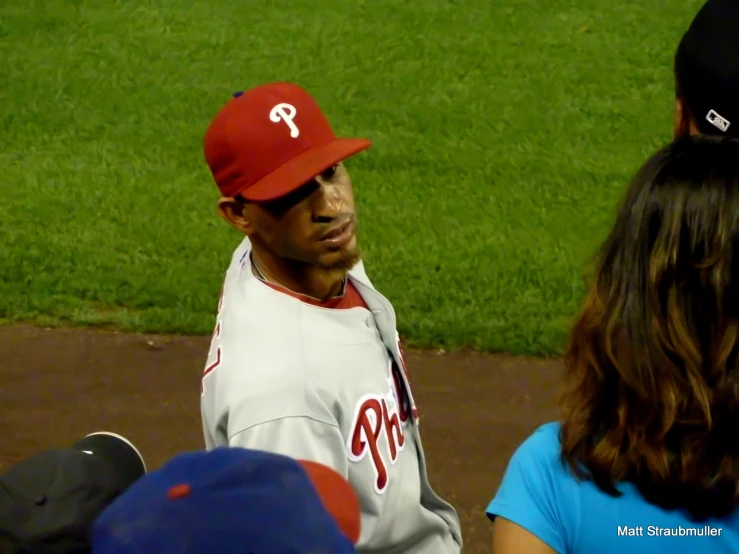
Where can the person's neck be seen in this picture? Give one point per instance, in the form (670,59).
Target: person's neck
(299,277)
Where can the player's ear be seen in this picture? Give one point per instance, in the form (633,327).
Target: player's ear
(234,211)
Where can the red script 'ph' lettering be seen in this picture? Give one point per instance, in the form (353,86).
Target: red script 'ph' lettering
(373,420)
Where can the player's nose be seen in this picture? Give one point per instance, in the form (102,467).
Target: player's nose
(329,204)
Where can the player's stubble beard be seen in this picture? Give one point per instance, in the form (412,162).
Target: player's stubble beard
(320,277)
(347,259)
(336,270)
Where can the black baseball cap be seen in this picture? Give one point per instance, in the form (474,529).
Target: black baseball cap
(707,68)
(48,502)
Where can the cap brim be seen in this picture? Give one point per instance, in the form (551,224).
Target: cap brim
(302,168)
(123,457)
(337,496)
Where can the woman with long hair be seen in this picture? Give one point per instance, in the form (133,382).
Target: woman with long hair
(645,457)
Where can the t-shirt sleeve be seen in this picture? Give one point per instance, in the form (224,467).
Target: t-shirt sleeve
(301,438)
(532,493)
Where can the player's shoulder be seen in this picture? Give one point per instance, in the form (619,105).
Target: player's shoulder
(240,253)
(268,377)
(359,273)
(253,349)
(248,301)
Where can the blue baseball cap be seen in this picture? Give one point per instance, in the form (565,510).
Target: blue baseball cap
(232,500)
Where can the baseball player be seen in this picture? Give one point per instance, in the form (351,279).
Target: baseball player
(305,359)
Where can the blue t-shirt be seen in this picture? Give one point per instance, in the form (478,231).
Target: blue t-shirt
(540,494)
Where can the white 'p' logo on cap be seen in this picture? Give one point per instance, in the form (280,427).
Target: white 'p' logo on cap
(717,121)
(285,112)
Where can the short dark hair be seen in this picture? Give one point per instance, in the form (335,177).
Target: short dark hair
(652,362)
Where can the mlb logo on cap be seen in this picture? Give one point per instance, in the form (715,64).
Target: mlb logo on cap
(270,140)
(717,121)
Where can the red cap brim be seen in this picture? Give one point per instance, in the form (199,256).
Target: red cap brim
(302,168)
(338,497)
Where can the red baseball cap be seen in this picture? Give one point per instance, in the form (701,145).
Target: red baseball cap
(270,140)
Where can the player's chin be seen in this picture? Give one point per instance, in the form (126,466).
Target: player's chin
(343,258)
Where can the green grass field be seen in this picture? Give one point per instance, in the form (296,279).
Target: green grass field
(504,134)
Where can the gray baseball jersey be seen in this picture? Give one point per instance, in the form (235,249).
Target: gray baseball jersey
(328,385)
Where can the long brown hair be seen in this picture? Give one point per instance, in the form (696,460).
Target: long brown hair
(652,393)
